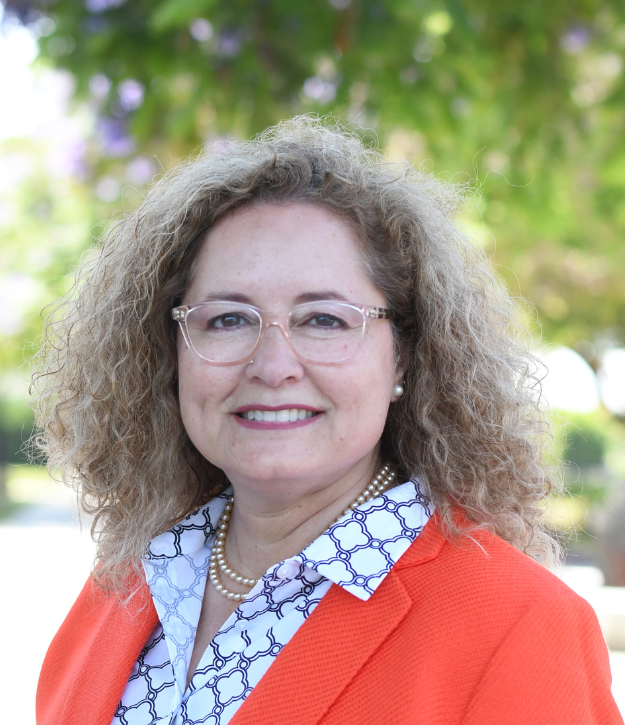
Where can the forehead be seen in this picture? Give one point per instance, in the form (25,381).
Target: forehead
(273,250)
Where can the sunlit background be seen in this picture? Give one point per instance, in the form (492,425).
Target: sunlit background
(524,107)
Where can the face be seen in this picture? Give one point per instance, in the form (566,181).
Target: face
(276,255)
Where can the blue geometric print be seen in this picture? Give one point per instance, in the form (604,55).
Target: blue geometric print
(152,684)
(356,553)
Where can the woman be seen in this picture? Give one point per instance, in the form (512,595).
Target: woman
(290,393)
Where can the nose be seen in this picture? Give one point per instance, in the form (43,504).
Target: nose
(275,361)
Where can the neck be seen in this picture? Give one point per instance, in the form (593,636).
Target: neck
(262,534)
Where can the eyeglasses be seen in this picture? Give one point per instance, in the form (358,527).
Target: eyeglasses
(228,333)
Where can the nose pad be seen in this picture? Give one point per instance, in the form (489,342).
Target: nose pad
(285,335)
(276,361)
(275,323)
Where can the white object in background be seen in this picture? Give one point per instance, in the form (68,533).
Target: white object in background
(571,384)
(612,380)
(581,578)
(608,602)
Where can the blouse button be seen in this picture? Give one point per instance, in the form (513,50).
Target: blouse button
(288,570)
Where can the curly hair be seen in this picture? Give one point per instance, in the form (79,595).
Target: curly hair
(469,425)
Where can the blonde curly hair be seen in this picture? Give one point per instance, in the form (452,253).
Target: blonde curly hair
(469,424)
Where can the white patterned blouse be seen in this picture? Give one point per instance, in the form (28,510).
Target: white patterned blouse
(356,553)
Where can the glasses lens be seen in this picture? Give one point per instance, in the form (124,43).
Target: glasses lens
(223,332)
(326,331)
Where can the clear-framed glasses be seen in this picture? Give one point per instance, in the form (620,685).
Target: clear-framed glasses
(228,333)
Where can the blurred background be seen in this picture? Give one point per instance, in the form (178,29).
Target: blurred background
(523,105)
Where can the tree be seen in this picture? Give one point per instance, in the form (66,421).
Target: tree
(523,101)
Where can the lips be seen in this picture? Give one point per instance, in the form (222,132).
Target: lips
(275,417)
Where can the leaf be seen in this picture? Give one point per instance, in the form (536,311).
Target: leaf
(174,13)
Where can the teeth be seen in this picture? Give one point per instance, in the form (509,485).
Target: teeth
(280,416)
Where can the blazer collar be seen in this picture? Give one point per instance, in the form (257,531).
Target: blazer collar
(364,627)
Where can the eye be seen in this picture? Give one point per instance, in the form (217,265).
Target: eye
(229,320)
(324,320)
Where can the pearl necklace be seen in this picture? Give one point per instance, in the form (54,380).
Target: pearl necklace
(219,563)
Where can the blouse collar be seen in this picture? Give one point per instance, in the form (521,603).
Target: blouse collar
(356,552)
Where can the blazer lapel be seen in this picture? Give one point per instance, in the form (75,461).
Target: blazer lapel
(324,656)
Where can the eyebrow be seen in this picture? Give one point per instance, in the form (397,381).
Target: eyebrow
(226,296)
(300,299)
(315,296)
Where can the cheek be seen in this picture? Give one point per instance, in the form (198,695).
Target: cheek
(196,389)
(186,377)
(363,398)
(189,405)
(185,398)
(375,389)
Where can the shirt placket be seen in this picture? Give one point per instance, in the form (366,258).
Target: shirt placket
(235,646)
(177,587)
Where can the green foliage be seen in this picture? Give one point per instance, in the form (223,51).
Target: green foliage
(523,100)
(15,430)
(585,446)
(589,440)
(46,222)
(16,422)
(45,227)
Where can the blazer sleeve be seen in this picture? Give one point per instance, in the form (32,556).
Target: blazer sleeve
(552,669)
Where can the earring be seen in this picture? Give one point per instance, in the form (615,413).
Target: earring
(398,391)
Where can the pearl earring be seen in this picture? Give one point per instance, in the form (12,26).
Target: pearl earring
(398,391)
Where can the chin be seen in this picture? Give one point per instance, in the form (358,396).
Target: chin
(271,471)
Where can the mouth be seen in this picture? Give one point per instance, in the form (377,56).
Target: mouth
(279,416)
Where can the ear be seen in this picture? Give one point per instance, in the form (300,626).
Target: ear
(399,370)
(398,380)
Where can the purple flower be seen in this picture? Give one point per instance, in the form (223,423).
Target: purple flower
(130,94)
(140,170)
(575,39)
(229,44)
(101,6)
(114,136)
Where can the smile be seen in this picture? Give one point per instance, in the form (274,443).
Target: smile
(278,416)
(282,417)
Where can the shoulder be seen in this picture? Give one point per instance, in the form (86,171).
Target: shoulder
(89,660)
(501,632)
(476,633)
(483,583)
(477,562)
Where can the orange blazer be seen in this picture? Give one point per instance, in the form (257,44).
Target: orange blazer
(469,633)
